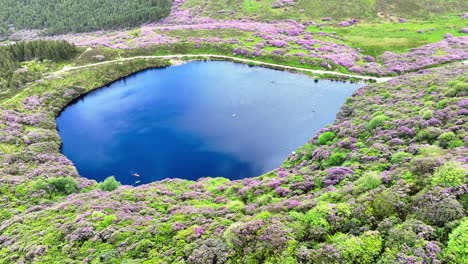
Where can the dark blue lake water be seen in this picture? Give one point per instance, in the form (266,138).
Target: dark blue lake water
(196,120)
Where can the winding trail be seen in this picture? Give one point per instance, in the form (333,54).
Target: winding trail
(189,57)
(234,59)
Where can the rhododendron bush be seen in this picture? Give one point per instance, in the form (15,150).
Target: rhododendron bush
(252,38)
(387,181)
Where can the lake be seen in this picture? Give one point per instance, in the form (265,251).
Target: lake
(199,119)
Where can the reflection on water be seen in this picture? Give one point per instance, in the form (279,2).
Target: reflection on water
(195,120)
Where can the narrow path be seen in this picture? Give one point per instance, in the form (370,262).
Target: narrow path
(208,56)
(81,55)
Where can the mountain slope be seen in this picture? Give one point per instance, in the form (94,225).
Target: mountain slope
(59,16)
(318,9)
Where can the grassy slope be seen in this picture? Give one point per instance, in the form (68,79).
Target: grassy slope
(317,9)
(376,38)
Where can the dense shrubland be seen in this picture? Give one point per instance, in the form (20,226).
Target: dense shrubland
(389,45)
(387,182)
(318,9)
(79,16)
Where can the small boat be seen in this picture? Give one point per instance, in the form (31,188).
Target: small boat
(136,174)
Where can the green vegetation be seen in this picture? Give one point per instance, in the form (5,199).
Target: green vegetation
(60,185)
(450,140)
(12,76)
(3,30)
(318,9)
(64,16)
(376,122)
(369,181)
(450,175)
(325,138)
(385,183)
(457,249)
(374,38)
(336,200)
(109,184)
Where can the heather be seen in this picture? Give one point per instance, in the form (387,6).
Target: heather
(359,45)
(386,182)
(326,10)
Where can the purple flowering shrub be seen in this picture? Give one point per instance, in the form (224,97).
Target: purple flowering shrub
(437,207)
(386,182)
(412,241)
(188,31)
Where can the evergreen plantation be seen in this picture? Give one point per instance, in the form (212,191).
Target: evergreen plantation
(12,55)
(59,16)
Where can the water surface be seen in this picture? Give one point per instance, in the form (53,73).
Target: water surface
(196,120)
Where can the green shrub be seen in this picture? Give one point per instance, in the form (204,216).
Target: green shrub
(447,137)
(362,249)
(385,204)
(411,236)
(436,207)
(41,184)
(458,87)
(442,104)
(424,165)
(313,224)
(109,184)
(449,140)
(427,114)
(376,122)
(141,248)
(451,174)
(61,185)
(325,138)
(457,248)
(369,181)
(429,134)
(400,157)
(455,143)
(336,159)
(430,151)
(307,151)
(463,200)
(66,185)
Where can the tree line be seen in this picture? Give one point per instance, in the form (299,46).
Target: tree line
(3,30)
(61,16)
(12,55)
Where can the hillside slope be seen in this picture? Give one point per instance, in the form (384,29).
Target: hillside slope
(318,9)
(59,16)
(386,182)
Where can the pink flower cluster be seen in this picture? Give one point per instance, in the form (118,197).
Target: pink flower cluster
(348,23)
(274,37)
